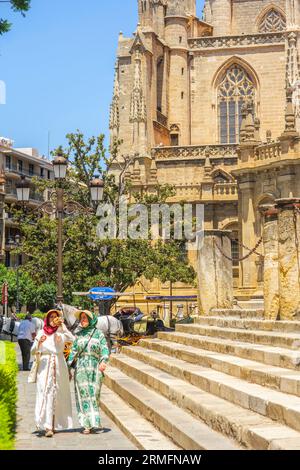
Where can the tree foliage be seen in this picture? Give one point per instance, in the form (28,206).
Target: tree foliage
(88,260)
(20,6)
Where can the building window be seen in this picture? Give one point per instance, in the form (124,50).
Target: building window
(272,21)
(174,135)
(31,169)
(8,162)
(42,172)
(49,175)
(235,89)
(20,166)
(174,140)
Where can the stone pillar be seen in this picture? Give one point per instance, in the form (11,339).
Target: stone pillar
(289,258)
(247,218)
(215,280)
(271,266)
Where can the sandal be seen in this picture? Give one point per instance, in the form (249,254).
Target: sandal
(49,433)
(86,431)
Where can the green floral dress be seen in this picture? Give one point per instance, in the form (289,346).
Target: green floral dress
(88,379)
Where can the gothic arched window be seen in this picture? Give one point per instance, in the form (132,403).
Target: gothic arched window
(273,21)
(235,89)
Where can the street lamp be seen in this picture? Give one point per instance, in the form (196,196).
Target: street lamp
(15,244)
(23,190)
(60,165)
(97,189)
(58,206)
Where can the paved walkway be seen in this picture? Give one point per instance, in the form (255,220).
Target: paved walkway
(109,439)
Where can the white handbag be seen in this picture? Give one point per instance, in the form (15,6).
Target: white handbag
(32,377)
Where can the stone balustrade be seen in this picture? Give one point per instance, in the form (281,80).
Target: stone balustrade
(225,189)
(268,151)
(213,42)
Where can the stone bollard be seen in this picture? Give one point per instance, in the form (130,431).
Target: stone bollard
(215,279)
(289,258)
(271,265)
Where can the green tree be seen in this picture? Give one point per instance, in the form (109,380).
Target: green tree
(21,6)
(88,260)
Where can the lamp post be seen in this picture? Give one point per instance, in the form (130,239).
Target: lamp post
(15,244)
(58,206)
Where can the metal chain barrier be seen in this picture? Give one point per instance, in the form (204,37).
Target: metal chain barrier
(251,251)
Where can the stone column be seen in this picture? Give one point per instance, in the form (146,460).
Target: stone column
(215,280)
(271,266)
(289,258)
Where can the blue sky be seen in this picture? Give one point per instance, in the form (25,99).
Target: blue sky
(58,66)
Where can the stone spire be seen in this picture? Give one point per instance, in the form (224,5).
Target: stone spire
(136,175)
(293,71)
(257,130)
(138,104)
(114,122)
(207,166)
(243,133)
(249,123)
(290,120)
(153,171)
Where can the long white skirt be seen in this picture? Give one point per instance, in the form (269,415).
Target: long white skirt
(53,408)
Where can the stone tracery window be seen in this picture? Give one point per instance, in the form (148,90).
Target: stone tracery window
(235,89)
(272,21)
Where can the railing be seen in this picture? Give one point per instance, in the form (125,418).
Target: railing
(195,152)
(226,189)
(17,171)
(162,119)
(213,42)
(267,151)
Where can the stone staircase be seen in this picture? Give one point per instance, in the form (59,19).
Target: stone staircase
(228,381)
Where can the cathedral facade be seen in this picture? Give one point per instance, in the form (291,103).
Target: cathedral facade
(211,107)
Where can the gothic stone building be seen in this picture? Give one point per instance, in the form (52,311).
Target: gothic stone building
(211,106)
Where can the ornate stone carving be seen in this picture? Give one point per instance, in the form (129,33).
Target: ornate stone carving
(272,21)
(197,151)
(114,121)
(138,104)
(235,41)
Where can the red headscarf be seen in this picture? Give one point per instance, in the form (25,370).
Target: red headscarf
(48,329)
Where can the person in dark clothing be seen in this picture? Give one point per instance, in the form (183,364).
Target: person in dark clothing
(26,337)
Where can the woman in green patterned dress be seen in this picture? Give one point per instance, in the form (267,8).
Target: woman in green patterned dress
(90,354)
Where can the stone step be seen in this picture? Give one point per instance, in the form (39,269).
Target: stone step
(277,378)
(238,312)
(277,406)
(279,339)
(274,356)
(248,428)
(138,430)
(249,324)
(185,430)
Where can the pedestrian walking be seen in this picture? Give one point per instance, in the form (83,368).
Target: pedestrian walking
(53,410)
(89,356)
(26,336)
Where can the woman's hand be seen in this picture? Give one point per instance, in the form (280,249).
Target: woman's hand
(42,340)
(102,367)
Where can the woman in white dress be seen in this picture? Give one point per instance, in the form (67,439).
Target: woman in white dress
(53,410)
